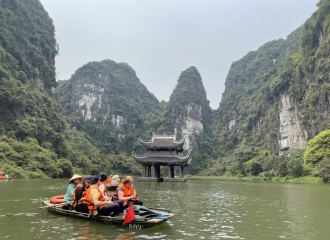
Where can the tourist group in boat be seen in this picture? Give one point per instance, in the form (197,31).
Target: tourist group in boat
(4,176)
(94,195)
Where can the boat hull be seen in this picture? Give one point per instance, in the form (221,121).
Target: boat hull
(138,223)
(112,186)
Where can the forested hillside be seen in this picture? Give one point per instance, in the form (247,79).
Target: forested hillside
(27,34)
(276,99)
(272,121)
(107,101)
(35,139)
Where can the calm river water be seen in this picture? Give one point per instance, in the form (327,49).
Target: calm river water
(205,209)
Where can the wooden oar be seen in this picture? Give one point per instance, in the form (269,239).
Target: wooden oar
(33,210)
(56,205)
(160,209)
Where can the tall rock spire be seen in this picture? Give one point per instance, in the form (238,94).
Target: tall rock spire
(188,112)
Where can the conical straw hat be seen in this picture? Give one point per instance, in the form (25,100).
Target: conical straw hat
(75,177)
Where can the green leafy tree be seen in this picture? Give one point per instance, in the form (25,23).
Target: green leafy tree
(324,170)
(256,169)
(295,163)
(318,149)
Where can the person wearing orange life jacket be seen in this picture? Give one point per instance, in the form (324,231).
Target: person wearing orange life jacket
(109,180)
(108,186)
(127,194)
(112,182)
(115,179)
(98,204)
(80,203)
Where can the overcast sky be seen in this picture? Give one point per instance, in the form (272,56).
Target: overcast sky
(161,38)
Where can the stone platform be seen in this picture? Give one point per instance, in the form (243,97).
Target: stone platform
(150,179)
(175,180)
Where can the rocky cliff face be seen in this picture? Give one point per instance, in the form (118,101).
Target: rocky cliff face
(190,124)
(87,98)
(246,104)
(188,112)
(35,140)
(107,97)
(291,133)
(278,96)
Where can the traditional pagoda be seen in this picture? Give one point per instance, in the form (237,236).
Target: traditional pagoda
(163,150)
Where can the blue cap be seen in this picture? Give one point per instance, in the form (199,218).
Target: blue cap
(95,179)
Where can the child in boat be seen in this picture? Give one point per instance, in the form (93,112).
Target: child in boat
(73,182)
(126,193)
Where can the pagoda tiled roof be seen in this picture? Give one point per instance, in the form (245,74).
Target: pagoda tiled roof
(178,159)
(163,142)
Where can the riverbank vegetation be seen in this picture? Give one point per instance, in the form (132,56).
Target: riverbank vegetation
(305,179)
(252,163)
(276,98)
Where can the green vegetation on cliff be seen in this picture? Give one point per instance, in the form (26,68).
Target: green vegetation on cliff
(35,139)
(188,108)
(94,120)
(188,91)
(107,101)
(247,124)
(27,34)
(247,96)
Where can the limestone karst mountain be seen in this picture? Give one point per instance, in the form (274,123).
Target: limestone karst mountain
(188,112)
(276,99)
(108,102)
(35,139)
(189,115)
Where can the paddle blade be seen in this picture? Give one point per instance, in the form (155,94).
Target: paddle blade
(130,215)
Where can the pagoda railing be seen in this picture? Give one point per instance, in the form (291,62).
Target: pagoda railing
(164,136)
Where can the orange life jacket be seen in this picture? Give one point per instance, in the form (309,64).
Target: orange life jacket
(109,180)
(83,196)
(100,197)
(127,192)
(74,197)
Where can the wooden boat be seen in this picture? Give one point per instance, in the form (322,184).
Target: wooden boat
(144,217)
(112,186)
(4,176)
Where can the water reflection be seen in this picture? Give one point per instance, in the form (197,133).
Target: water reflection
(204,210)
(125,236)
(62,228)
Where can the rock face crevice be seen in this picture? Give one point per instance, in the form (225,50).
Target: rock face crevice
(90,101)
(291,133)
(87,99)
(190,124)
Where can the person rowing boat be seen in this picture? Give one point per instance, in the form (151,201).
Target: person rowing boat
(73,182)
